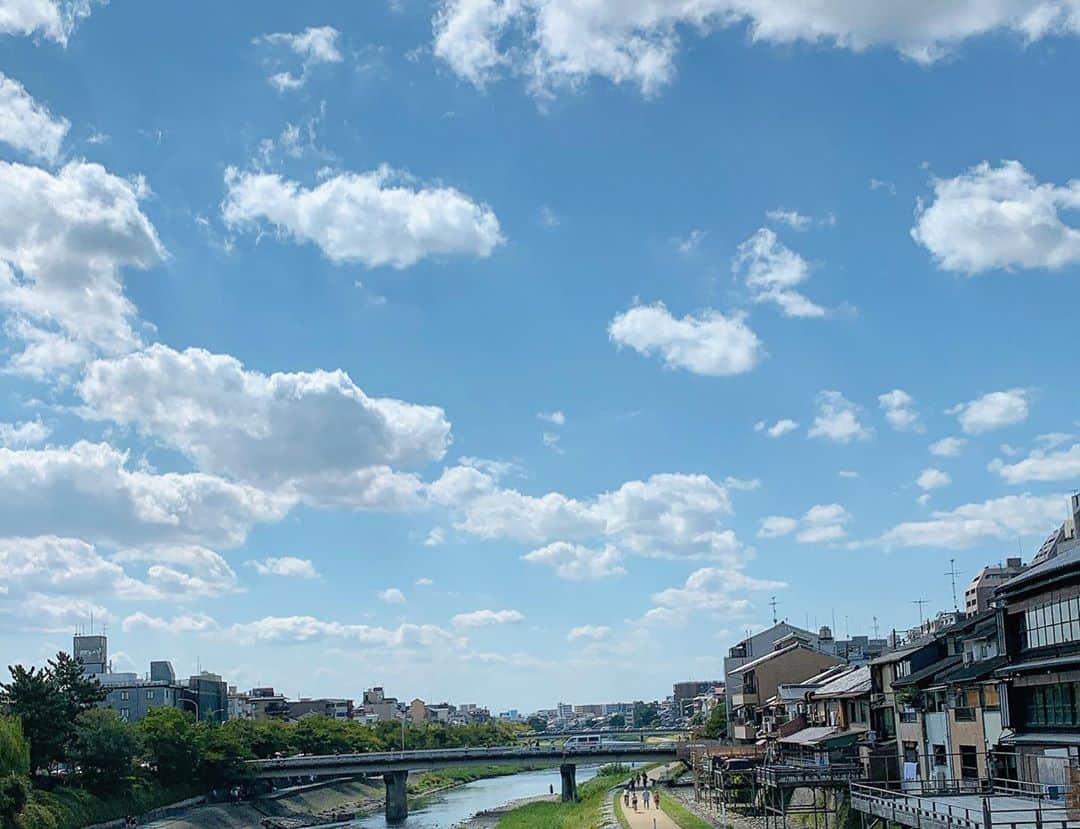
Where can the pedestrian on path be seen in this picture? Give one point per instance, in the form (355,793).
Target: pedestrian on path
(633,802)
(646,798)
(656,799)
(625,797)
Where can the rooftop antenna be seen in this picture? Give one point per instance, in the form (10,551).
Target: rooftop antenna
(91,621)
(772,604)
(920,603)
(952,572)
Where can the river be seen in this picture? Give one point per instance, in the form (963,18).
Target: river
(451,807)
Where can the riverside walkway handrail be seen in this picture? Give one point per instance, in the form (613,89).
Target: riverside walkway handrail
(997,809)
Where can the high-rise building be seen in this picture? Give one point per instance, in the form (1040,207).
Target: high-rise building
(980,591)
(93,650)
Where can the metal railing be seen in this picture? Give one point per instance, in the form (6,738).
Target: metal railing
(1013,805)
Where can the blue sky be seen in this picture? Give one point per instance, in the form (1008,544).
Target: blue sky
(515,352)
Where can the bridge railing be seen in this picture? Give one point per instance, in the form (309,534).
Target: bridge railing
(377,757)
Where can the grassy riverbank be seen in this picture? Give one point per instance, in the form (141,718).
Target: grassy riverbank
(431,781)
(70,808)
(686,819)
(585,814)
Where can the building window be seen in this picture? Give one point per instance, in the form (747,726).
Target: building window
(969,763)
(123,696)
(939,755)
(1052,623)
(990,700)
(902,669)
(911,752)
(125,714)
(149,694)
(1051,706)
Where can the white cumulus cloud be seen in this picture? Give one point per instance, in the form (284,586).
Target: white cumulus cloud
(377,218)
(992,411)
(837,419)
(1041,465)
(990,218)
(487,618)
(711,343)
(969,525)
(313,46)
(593,633)
(315,433)
(900,411)
(577,562)
(54,19)
(22,435)
(287,566)
(391,595)
(778,429)
(949,447)
(63,239)
(932,478)
(28,126)
(557,44)
(771,271)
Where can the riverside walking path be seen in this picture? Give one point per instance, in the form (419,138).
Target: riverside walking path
(644,818)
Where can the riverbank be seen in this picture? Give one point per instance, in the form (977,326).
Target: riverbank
(308,806)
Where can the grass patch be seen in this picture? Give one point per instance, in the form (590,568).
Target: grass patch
(585,814)
(686,819)
(429,781)
(620,815)
(70,808)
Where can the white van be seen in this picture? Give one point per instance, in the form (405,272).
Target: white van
(583,742)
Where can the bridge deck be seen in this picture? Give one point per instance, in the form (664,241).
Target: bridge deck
(962,811)
(389,761)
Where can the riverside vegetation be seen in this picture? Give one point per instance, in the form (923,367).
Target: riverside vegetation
(585,814)
(65,762)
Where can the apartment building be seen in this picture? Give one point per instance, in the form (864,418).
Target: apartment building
(754,683)
(979,593)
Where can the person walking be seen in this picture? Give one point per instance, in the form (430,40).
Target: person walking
(645,797)
(633,802)
(626,797)
(656,799)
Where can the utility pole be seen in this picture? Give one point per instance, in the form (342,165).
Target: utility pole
(875,628)
(952,572)
(772,604)
(920,603)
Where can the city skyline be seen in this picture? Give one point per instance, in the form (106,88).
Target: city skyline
(502,353)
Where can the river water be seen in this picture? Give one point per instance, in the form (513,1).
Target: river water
(452,806)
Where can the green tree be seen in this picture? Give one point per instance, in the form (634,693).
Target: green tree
(317,734)
(170,743)
(14,769)
(617,721)
(14,750)
(537,723)
(717,722)
(79,691)
(103,748)
(645,714)
(223,751)
(32,696)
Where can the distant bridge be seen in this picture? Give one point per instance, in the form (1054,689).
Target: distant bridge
(394,766)
(607,732)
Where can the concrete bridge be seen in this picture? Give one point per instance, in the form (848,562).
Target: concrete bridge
(394,766)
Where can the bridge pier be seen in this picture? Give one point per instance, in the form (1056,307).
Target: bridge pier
(397,803)
(569,782)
